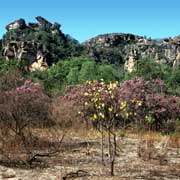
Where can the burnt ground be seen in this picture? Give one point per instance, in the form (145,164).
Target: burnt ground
(145,156)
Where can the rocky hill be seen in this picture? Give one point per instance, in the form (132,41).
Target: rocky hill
(41,43)
(120,48)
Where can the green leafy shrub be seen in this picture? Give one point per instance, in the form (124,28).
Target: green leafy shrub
(108,73)
(149,69)
(11,75)
(173,82)
(72,77)
(88,71)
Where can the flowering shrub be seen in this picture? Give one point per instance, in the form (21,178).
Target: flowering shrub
(22,109)
(113,105)
(23,106)
(135,101)
(65,108)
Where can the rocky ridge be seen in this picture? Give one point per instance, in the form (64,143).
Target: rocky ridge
(41,43)
(121,47)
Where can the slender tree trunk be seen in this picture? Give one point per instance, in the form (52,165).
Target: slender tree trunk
(113,154)
(102,146)
(109,143)
(112,168)
(115,144)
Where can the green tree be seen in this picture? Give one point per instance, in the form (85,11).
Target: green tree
(107,72)
(173,81)
(72,77)
(88,71)
(149,69)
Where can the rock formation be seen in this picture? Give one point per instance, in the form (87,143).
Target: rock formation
(118,45)
(130,64)
(41,43)
(27,41)
(18,24)
(40,63)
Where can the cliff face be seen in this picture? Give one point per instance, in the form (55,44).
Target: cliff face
(120,48)
(41,43)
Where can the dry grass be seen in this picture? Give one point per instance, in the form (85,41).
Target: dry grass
(174,141)
(80,150)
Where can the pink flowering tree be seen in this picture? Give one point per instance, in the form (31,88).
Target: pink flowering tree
(23,106)
(21,109)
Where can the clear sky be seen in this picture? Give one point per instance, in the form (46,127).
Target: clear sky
(83,19)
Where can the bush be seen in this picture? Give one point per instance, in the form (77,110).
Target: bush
(156,109)
(65,108)
(149,69)
(22,109)
(136,102)
(108,73)
(88,71)
(154,69)
(10,76)
(72,77)
(24,106)
(173,82)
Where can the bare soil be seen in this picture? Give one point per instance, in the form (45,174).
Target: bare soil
(149,157)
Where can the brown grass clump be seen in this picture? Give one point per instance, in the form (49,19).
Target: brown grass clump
(174,141)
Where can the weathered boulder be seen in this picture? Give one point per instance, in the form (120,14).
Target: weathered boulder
(55,28)
(33,25)
(43,22)
(18,24)
(40,63)
(19,50)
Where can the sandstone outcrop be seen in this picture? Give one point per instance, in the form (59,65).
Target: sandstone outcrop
(40,63)
(41,43)
(131,62)
(18,24)
(117,47)
(25,41)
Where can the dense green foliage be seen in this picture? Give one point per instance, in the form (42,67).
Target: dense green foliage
(110,55)
(75,71)
(149,69)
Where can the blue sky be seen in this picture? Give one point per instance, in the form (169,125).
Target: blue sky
(83,19)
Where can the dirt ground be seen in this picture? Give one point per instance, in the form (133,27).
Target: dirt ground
(147,156)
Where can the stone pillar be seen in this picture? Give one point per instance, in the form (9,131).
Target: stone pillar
(130,64)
